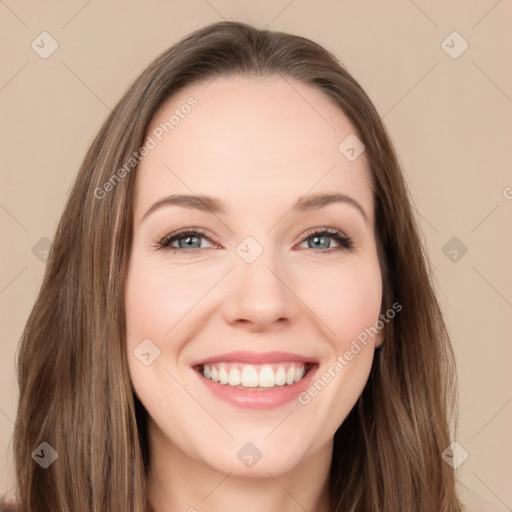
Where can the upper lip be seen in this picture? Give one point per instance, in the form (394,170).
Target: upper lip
(243,356)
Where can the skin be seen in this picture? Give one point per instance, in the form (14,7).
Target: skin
(258,144)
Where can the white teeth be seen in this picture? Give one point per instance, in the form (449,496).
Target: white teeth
(299,373)
(223,376)
(267,378)
(247,376)
(234,377)
(280,376)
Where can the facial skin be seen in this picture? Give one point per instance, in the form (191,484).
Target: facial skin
(258,144)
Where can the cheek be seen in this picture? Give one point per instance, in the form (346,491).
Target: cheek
(346,298)
(162,302)
(349,310)
(154,304)
(159,296)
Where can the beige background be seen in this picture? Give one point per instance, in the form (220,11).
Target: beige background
(450,120)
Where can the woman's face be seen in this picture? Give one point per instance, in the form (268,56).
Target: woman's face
(256,296)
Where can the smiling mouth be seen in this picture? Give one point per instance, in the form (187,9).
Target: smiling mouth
(255,377)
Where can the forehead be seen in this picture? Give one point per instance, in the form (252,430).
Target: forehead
(249,140)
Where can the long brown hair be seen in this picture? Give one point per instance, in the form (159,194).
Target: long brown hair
(74,386)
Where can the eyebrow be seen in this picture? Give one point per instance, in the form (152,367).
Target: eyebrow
(304,204)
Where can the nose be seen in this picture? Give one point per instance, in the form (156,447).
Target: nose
(258,295)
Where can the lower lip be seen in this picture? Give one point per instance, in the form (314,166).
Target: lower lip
(267,399)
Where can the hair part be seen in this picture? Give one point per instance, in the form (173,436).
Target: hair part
(74,385)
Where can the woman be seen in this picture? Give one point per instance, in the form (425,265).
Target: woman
(188,351)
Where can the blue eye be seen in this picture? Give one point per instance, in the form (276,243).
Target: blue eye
(191,239)
(319,238)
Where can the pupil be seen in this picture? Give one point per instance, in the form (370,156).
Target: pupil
(316,241)
(317,238)
(188,239)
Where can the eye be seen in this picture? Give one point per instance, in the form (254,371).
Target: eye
(190,238)
(320,238)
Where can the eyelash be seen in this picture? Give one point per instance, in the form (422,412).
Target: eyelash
(345,242)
